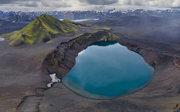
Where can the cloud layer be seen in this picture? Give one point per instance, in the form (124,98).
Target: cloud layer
(52,5)
(100,2)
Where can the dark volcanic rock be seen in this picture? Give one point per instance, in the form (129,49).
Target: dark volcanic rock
(63,58)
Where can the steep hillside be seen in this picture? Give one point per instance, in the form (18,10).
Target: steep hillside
(43,29)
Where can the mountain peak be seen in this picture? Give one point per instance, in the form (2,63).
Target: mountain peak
(45,28)
(42,29)
(46,17)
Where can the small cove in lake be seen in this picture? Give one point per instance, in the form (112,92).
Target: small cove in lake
(106,70)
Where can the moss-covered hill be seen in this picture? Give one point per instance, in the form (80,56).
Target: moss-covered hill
(43,29)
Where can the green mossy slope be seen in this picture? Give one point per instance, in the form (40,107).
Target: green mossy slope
(46,27)
(42,29)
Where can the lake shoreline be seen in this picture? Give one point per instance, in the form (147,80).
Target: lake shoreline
(30,92)
(107,62)
(152,56)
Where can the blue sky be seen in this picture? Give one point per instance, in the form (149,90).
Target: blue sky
(59,5)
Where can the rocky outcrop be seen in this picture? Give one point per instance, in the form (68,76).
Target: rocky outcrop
(62,59)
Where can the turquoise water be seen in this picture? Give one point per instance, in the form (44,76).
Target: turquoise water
(107,70)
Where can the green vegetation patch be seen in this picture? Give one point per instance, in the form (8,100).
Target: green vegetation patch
(44,28)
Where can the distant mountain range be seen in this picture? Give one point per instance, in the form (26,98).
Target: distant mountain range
(46,27)
(73,15)
(19,18)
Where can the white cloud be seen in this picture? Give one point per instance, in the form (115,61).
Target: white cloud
(151,3)
(52,5)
